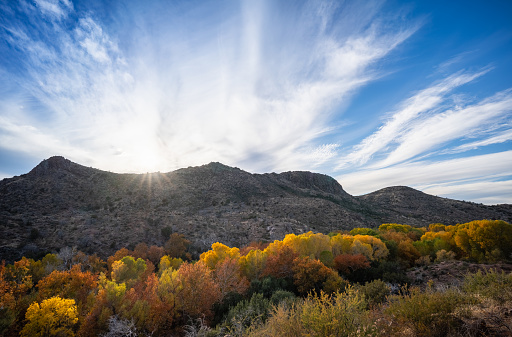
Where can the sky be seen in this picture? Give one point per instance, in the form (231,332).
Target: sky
(372,93)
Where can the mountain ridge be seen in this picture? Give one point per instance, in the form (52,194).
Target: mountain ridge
(60,203)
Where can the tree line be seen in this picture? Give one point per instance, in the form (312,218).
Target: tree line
(311,284)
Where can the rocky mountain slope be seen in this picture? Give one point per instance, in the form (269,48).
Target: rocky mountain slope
(60,203)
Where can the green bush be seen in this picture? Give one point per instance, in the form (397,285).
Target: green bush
(282,295)
(427,313)
(375,292)
(342,314)
(247,314)
(491,284)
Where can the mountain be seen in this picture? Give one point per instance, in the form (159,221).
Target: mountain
(60,203)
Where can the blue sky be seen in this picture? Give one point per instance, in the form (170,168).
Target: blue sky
(373,93)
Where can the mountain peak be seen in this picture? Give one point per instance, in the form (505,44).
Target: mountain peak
(54,164)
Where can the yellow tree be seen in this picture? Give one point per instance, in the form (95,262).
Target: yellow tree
(340,244)
(219,253)
(308,244)
(128,270)
(53,317)
(253,263)
(379,250)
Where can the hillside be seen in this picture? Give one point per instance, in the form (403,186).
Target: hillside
(60,203)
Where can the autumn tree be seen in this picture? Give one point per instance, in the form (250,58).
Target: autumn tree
(155,253)
(308,244)
(15,294)
(228,277)
(254,245)
(253,263)
(199,291)
(144,305)
(309,274)
(72,283)
(53,317)
(116,257)
(169,262)
(141,251)
(280,264)
(128,269)
(177,245)
(219,253)
(346,264)
(107,302)
(483,240)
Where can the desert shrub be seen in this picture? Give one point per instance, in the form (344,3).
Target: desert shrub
(427,313)
(220,309)
(375,292)
(268,285)
(444,255)
(282,295)
(342,314)
(247,314)
(491,284)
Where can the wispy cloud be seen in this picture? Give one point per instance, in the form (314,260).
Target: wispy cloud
(486,192)
(421,174)
(498,138)
(410,115)
(253,87)
(432,132)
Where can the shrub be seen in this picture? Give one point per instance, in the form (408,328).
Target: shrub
(426,313)
(247,315)
(342,314)
(282,295)
(491,284)
(375,292)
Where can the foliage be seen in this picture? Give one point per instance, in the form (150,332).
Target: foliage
(229,278)
(269,285)
(177,245)
(167,262)
(308,244)
(429,313)
(309,274)
(375,292)
(263,282)
(394,227)
(485,240)
(346,264)
(280,263)
(199,291)
(217,254)
(342,314)
(53,317)
(72,283)
(128,269)
(363,231)
(253,263)
(491,284)
(247,313)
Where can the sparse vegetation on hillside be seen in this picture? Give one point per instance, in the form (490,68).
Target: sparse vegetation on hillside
(60,203)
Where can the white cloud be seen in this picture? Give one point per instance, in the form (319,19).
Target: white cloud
(431,132)
(55,9)
(486,167)
(410,114)
(486,192)
(246,89)
(500,137)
